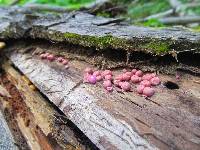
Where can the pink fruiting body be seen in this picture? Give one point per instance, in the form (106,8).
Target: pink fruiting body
(139,73)
(119,77)
(146,83)
(107,83)
(147,91)
(65,62)
(109,89)
(155,81)
(88,70)
(147,77)
(140,89)
(97,73)
(135,79)
(126,77)
(153,75)
(134,71)
(129,73)
(125,86)
(99,78)
(178,76)
(43,56)
(124,70)
(108,77)
(106,72)
(60,59)
(50,57)
(92,79)
(116,82)
(85,77)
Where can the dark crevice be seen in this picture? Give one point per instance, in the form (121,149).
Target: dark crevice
(117,58)
(171,85)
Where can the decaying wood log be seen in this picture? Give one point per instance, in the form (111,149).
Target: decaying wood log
(82,29)
(41,124)
(119,120)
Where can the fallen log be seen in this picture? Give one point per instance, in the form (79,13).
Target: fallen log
(82,29)
(118,120)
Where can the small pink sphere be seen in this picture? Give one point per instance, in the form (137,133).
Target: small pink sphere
(51,57)
(126,77)
(107,83)
(135,79)
(106,72)
(126,86)
(134,71)
(119,77)
(43,56)
(109,89)
(147,77)
(97,73)
(92,79)
(153,74)
(140,89)
(155,81)
(88,70)
(99,78)
(147,91)
(124,70)
(60,59)
(178,77)
(85,77)
(116,82)
(139,73)
(129,73)
(65,62)
(146,83)
(108,77)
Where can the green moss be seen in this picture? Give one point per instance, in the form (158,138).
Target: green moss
(157,47)
(99,42)
(104,42)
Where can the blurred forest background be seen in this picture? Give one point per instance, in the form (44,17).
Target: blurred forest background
(153,13)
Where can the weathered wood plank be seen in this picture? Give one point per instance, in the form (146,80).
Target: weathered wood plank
(92,31)
(170,119)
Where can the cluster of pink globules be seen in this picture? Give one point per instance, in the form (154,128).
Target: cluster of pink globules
(51,57)
(144,82)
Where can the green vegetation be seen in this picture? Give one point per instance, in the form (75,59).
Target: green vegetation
(144,8)
(158,47)
(72,4)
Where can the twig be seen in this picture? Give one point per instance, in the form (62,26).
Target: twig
(117,20)
(44,7)
(160,15)
(175,10)
(180,20)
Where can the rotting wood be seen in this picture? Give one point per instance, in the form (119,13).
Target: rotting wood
(80,29)
(42,126)
(119,120)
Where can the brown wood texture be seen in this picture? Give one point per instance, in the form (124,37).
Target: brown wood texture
(169,120)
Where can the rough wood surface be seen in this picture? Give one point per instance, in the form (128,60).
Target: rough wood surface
(91,31)
(41,124)
(169,120)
